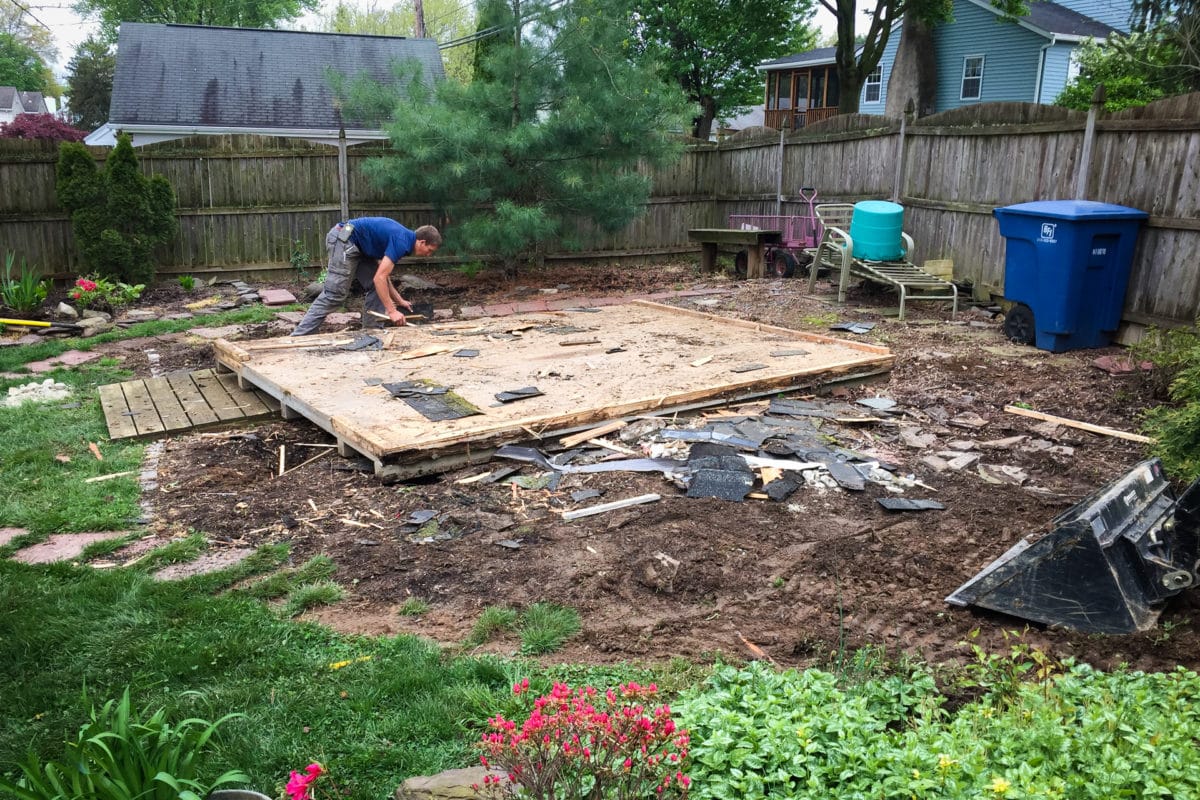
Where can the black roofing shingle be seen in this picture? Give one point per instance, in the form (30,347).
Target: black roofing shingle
(249,78)
(29,102)
(1053,18)
(818,55)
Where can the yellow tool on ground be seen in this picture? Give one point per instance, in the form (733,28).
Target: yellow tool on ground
(33,323)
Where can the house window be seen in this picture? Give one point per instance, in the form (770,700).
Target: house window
(873,85)
(972,80)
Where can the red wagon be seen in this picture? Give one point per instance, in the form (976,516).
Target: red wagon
(799,232)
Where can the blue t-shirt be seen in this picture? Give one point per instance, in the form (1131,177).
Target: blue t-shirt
(376,237)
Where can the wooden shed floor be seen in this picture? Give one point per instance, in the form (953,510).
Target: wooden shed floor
(590,365)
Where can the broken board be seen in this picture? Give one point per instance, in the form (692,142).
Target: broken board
(179,401)
(648,358)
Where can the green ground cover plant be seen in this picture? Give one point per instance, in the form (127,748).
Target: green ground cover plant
(1175,425)
(1075,733)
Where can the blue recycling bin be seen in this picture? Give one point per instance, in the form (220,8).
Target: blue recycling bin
(1066,268)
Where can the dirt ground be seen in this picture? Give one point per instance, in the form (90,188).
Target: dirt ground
(826,570)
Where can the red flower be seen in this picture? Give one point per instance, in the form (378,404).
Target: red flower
(86,285)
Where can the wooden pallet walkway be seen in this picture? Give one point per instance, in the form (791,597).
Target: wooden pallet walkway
(180,401)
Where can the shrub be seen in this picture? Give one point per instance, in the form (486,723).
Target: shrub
(119,755)
(1175,427)
(118,215)
(97,292)
(587,744)
(40,126)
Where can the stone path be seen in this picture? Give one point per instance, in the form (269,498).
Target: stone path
(70,546)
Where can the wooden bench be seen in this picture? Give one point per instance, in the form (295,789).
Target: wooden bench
(755,243)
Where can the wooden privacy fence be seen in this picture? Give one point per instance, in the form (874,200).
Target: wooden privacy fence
(250,203)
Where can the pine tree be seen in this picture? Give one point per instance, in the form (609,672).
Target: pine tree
(542,149)
(118,215)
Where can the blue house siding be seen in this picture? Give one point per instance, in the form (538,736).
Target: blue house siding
(1011,57)
(889,58)
(1054,71)
(1114,13)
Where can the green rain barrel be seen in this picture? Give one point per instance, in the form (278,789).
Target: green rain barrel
(875,228)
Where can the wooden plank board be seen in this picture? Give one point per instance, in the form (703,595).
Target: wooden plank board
(116,416)
(217,397)
(170,410)
(145,415)
(190,398)
(248,401)
(643,363)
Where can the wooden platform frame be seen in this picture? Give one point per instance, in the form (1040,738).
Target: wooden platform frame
(628,360)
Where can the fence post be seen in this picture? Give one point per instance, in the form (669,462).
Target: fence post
(898,178)
(1089,138)
(343,177)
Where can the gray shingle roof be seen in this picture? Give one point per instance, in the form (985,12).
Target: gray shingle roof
(821,55)
(249,78)
(1053,18)
(29,102)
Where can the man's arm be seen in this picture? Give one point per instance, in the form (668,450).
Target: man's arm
(388,295)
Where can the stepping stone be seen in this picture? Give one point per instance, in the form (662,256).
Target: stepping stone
(224,332)
(62,547)
(8,534)
(208,562)
(293,317)
(70,358)
(276,297)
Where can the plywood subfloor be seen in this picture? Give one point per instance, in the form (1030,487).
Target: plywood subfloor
(179,401)
(642,357)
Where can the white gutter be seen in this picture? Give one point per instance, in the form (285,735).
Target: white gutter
(1041,71)
(148,133)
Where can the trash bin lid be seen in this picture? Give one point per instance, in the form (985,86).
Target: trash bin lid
(1072,209)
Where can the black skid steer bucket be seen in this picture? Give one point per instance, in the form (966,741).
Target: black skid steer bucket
(1108,564)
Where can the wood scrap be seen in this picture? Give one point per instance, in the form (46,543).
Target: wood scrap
(1083,426)
(757,651)
(300,343)
(616,448)
(282,458)
(700,362)
(613,506)
(602,430)
(573,342)
(322,454)
(473,479)
(769,474)
(95,451)
(420,352)
(110,476)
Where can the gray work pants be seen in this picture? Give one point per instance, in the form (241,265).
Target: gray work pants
(345,265)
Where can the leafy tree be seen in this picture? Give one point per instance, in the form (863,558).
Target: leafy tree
(445,20)
(232,13)
(709,49)
(20,66)
(1135,70)
(28,31)
(882,15)
(118,215)
(490,14)
(1174,26)
(544,148)
(89,83)
(41,126)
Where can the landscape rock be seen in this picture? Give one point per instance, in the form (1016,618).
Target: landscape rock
(93,326)
(967,419)
(313,289)
(452,784)
(36,392)
(139,315)
(414,282)
(962,461)
(67,311)
(935,463)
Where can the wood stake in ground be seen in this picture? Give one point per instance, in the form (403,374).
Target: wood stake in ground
(1083,426)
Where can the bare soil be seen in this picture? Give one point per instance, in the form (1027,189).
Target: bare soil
(824,572)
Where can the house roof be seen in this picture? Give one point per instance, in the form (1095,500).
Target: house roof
(809,58)
(27,102)
(188,79)
(1055,19)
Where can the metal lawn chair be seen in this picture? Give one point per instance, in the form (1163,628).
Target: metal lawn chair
(835,252)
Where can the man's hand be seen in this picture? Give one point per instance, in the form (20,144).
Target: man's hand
(397,317)
(400,301)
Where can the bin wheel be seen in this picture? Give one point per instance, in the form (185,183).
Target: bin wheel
(782,264)
(1018,324)
(741,263)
